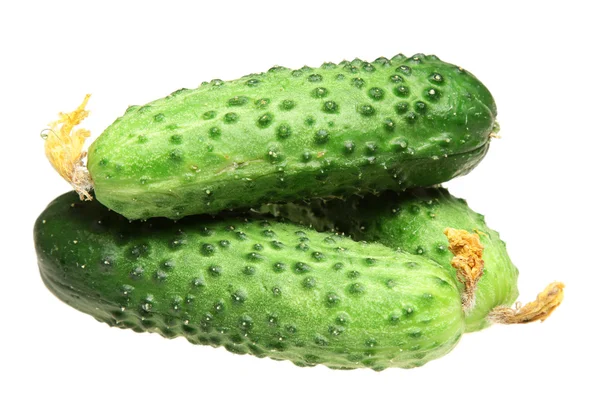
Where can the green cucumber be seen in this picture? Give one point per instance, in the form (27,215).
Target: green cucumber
(414,221)
(267,288)
(283,135)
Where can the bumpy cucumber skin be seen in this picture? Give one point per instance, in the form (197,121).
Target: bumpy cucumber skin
(414,221)
(259,287)
(352,127)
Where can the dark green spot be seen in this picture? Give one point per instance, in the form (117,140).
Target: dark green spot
(302,268)
(358,82)
(279,267)
(309,282)
(262,103)
(321,137)
(209,115)
(265,120)
(402,108)
(404,69)
(284,131)
(319,92)
(332,299)
(366,110)
(315,78)
(338,266)
(330,107)
(401,91)
(159,117)
(237,101)
(215,271)
(349,146)
(353,274)
(356,288)
(420,107)
(376,93)
(231,118)
(208,249)
(287,105)
(238,297)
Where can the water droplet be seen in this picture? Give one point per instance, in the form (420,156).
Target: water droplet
(396,79)
(315,78)
(276,291)
(252,82)
(389,125)
(159,117)
(318,256)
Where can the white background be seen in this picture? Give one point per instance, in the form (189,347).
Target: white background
(536,186)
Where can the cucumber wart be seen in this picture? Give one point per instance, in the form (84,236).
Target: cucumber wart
(284,135)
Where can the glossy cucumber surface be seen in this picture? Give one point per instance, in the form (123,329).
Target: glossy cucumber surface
(284,135)
(261,287)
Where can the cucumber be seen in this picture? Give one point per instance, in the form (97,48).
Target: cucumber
(261,287)
(414,221)
(283,135)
